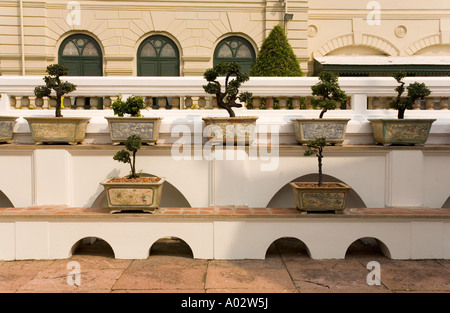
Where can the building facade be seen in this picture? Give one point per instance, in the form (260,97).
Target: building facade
(183,38)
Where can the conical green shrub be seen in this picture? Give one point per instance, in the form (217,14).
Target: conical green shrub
(276,57)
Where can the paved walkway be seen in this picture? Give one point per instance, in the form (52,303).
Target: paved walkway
(171,269)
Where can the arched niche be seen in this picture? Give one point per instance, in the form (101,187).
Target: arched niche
(284,197)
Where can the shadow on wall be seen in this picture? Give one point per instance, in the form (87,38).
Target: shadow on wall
(171,197)
(446,204)
(284,198)
(4,201)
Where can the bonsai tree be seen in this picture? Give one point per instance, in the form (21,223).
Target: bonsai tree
(132,106)
(53,82)
(315,147)
(132,144)
(226,97)
(276,57)
(329,91)
(416,91)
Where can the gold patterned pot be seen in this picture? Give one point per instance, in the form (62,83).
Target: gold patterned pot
(70,130)
(6,128)
(121,128)
(238,130)
(333,129)
(309,197)
(401,131)
(133,196)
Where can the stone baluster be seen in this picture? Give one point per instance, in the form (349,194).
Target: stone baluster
(283,103)
(295,103)
(429,103)
(79,103)
(188,102)
(39,102)
(161,103)
(201,103)
(255,103)
(18,102)
(175,103)
(443,103)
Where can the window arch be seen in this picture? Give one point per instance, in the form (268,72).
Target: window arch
(158,56)
(82,55)
(235,49)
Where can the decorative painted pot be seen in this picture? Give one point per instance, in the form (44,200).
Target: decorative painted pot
(70,130)
(310,129)
(133,196)
(147,128)
(6,128)
(239,130)
(401,131)
(309,197)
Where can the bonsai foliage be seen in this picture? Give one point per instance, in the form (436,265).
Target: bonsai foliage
(329,91)
(276,57)
(132,106)
(226,97)
(315,147)
(132,144)
(416,91)
(53,82)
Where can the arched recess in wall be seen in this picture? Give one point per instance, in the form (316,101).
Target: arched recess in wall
(158,55)
(235,49)
(4,201)
(379,45)
(430,45)
(171,197)
(82,54)
(284,197)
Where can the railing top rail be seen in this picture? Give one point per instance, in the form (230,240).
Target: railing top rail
(192,85)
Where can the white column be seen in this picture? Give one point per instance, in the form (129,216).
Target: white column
(52,177)
(405,178)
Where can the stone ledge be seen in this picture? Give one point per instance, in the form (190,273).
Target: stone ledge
(223,212)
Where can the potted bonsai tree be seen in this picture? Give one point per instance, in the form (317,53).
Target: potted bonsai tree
(132,192)
(233,129)
(403,131)
(128,120)
(58,128)
(330,95)
(319,196)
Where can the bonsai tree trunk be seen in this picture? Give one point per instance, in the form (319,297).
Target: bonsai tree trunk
(316,147)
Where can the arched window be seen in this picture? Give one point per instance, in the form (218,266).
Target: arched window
(235,49)
(82,54)
(158,56)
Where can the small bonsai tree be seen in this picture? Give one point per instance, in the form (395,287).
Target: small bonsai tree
(276,57)
(132,106)
(329,91)
(53,82)
(226,98)
(315,147)
(416,91)
(132,144)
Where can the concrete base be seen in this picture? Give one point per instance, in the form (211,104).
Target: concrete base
(416,233)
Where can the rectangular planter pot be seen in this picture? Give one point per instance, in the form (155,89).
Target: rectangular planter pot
(70,130)
(239,130)
(310,129)
(6,128)
(401,131)
(144,197)
(328,197)
(121,128)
